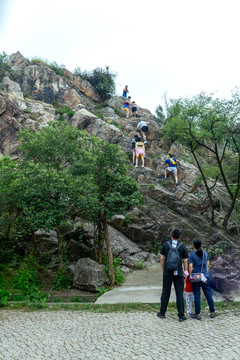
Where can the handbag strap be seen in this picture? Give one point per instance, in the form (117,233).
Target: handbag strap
(202,262)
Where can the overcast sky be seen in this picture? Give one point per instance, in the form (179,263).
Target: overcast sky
(181,47)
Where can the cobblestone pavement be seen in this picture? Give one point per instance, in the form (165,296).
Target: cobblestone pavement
(74,335)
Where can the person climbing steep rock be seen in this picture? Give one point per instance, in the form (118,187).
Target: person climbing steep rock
(143,126)
(140,151)
(172,167)
(134,140)
(126,106)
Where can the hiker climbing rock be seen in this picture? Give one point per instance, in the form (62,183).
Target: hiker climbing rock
(143,126)
(134,109)
(172,167)
(140,151)
(125,91)
(126,106)
(134,140)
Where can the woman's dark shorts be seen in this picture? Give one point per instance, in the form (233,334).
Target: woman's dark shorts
(144,129)
(134,109)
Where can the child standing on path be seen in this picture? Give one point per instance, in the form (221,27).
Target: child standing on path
(140,151)
(189,296)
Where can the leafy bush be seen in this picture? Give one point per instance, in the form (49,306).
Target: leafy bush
(101,79)
(4,297)
(63,280)
(118,273)
(58,69)
(28,282)
(4,65)
(63,110)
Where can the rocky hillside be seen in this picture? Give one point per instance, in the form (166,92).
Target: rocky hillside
(27,100)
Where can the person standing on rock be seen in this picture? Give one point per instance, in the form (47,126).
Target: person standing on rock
(172,167)
(172,254)
(125,91)
(134,109)
(143,127)
(199,263)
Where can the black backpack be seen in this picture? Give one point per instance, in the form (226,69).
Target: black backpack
(173,257)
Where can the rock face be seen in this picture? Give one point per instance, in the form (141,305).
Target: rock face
(225,276)
(27,101)
(89,275)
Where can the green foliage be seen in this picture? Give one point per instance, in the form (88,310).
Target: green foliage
(214,250)
(153,246)
(103,290)
(63,280)
(58,69)
(152,186)
(5,296)
(140,264)
(28,282)
(208,127)
(127,220)
(63,110)
(101,79)
(4,65)
(115,123)
(160,115)
(101,106)
(118,273)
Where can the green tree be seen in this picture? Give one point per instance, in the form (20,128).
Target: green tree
(208,128)
(99,168)
(115,191)
(160,114)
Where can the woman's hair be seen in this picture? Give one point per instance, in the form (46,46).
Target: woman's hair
(198,246)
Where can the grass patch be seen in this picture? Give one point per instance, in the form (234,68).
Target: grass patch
(221,307)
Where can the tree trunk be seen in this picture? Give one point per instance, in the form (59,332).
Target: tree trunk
(60,256)
(230,210)
(207,188)
(109,250)
(34,242)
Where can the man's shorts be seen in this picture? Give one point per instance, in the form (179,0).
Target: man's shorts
(126,108)
(144,129)
(172,168)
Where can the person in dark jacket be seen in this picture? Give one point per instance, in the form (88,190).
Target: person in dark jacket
(173,276)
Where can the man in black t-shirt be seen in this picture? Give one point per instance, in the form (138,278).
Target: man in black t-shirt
(173,276)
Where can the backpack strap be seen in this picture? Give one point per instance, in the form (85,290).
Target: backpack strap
(178,245)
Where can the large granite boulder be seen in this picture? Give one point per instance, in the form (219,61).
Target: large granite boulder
(89,275)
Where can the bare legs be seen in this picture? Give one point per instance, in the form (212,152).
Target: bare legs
(142,161)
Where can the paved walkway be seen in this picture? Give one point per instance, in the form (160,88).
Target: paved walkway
(143,286)
(75,335)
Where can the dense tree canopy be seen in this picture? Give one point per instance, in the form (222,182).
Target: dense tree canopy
(62,174)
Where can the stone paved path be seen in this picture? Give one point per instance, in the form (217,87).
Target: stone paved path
(74,335)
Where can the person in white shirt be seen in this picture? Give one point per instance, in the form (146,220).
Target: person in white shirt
(143,126)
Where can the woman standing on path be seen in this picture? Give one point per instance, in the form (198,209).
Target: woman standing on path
(199,263)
